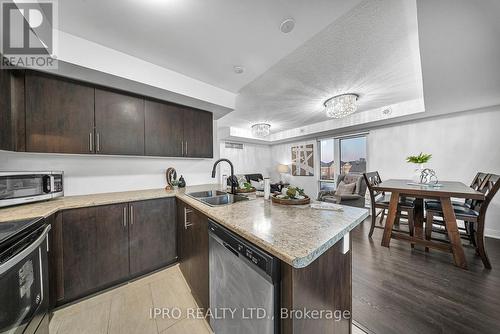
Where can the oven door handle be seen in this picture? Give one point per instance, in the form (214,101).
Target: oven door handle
(4,267)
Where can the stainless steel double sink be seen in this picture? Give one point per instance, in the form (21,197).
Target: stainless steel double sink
(216,197)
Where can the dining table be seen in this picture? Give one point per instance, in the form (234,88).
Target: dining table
(444,191)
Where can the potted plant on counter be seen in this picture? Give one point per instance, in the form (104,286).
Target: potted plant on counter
(245,187)
(291,196)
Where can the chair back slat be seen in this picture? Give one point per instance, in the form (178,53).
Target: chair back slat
(476,184)
(489,188)
(372,179)
(478,180)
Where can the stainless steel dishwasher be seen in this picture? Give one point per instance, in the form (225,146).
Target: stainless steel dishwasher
(244,285)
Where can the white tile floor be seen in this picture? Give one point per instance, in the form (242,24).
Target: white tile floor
(126,309)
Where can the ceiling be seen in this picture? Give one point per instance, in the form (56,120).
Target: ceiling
(372,50)
(201,39)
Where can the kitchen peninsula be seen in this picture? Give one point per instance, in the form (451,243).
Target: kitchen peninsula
(313,247)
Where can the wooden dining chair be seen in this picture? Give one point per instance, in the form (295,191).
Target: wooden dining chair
(467,232)
(380,200)
(475,214)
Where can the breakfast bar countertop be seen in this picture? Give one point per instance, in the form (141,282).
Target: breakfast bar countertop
(296,235)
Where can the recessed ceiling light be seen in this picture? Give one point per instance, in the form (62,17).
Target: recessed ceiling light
(238,69)
(287,25)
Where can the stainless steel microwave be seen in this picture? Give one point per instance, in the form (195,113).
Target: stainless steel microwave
(26,187)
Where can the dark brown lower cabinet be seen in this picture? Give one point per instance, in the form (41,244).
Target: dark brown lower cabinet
(94,248)
(112,261)
(152,231)
(325,284)
(192,237)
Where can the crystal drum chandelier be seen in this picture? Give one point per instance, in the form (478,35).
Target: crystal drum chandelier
(341,105)
(261,130)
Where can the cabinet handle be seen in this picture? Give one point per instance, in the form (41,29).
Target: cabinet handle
(98,142)
(131,214)
(91,148)
(124,216)
(186,148)
(186,222)
(182,148)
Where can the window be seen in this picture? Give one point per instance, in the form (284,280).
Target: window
(327,165)
(353,155)
(350,154)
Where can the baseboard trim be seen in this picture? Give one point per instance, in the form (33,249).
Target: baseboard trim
(492,233)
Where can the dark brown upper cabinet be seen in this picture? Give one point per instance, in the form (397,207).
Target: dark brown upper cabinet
(12,110)
(59,115)
(41,112)
(164,129)
(119,123)
(198,133)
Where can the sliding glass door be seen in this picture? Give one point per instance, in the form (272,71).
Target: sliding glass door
(353,155)
(350,154)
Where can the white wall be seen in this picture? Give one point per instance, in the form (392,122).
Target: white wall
(461,145)
(282,154)
(88,174)
(253,158)
(459,53)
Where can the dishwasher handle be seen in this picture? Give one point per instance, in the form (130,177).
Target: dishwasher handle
(231,249)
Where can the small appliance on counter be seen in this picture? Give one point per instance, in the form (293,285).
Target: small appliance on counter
(24,284)
(26,187)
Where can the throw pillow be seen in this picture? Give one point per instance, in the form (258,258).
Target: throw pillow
(345,189)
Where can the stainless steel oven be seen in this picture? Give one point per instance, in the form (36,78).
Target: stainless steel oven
(24,277)
(25,187)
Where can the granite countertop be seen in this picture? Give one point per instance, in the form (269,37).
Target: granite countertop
(296,235)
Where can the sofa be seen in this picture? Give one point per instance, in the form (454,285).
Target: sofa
(356,199)
(255,177)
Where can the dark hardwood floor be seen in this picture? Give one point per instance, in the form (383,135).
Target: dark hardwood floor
(400,290)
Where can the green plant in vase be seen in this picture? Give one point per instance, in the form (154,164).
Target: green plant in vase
(422,158)
(419,161)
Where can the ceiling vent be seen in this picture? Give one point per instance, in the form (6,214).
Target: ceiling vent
(237,146)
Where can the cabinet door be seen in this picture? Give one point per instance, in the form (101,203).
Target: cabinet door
(184,242)
(56,277)
(94,248)
(152,234)
(193,252)
(59,115)
(198,133)
(119,122)
(164,129)
(79,243)
(12,110)
(200,273)
(112,244)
